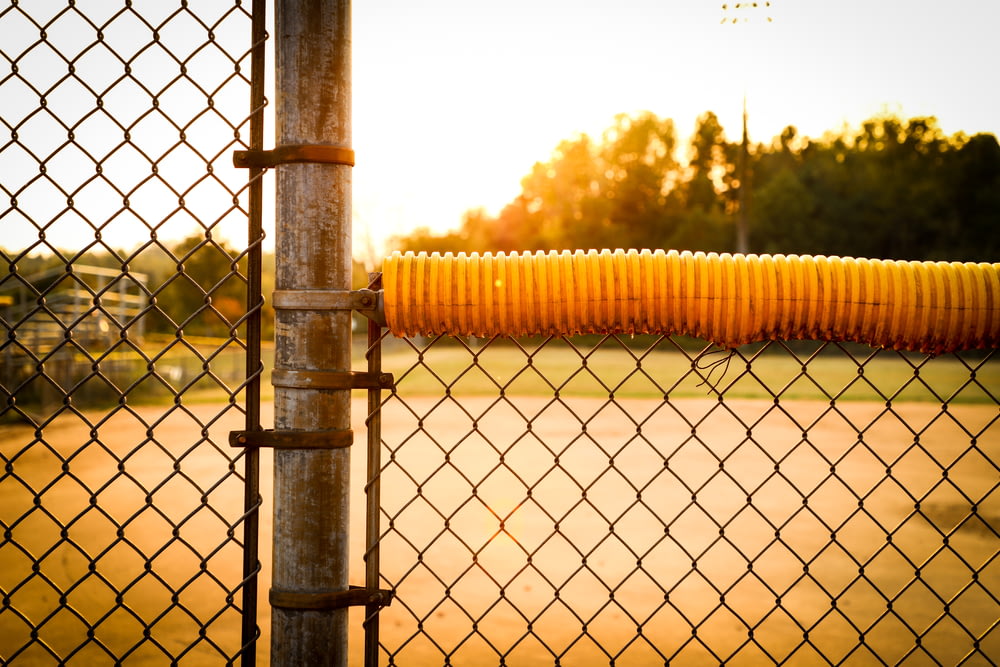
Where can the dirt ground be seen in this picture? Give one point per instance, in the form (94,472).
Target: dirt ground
(496,549)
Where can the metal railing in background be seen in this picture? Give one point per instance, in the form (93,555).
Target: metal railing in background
(130,308)
(619,500)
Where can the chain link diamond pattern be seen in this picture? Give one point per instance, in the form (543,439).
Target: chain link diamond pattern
(624,501)
(124,323)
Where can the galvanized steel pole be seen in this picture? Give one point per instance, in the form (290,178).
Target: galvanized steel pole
(313,251)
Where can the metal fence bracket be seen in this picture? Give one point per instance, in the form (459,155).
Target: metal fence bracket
(368,302)
(312,379)
(353,597)
(331,439)
(294,153)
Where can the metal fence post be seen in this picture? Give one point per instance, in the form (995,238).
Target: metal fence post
(255,236)
(313,251)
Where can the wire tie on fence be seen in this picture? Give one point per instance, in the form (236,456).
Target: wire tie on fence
(713,366)
(328,439)
(353,597)
(294,153)
(310,379)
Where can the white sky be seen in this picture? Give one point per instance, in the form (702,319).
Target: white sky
(454,100)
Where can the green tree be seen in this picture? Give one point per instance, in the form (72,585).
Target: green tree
(637,156)
(701,200)
(973,179)
(784,215)
(205,293)
(883,190)
(891,188)
(608,194)
(562,198)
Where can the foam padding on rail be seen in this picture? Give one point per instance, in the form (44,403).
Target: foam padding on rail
(727,299)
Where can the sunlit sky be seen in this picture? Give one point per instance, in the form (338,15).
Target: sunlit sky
(454,100)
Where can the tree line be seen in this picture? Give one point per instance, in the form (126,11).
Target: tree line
(891,189)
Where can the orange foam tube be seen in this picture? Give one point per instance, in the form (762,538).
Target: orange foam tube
(728,299)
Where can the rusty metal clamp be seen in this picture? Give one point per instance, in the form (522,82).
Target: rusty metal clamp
(294,154)
(312,379)
(354,596)
(329,439)
(365,301)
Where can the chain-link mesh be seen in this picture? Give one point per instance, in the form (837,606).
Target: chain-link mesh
(638,501)
(124,313)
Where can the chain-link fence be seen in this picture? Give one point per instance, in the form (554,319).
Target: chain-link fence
(543,501)
(129,307)
(637,501)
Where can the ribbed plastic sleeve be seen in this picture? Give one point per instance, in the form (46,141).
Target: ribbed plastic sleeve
(727,299)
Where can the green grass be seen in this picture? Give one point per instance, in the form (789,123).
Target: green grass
(640,368)
(590,366)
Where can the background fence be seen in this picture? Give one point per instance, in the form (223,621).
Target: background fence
(129,526)
(619,500)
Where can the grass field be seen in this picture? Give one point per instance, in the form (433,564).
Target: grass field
(647,367)
(639,367)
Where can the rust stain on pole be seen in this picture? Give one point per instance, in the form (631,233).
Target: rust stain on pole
(313,246)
